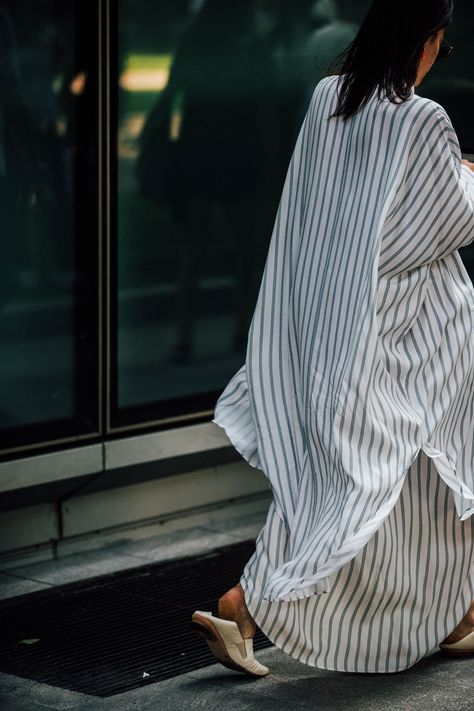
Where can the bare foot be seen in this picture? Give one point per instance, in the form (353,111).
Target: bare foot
(465,627)
(231,606)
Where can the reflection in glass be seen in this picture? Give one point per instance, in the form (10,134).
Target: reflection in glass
(211,98)
(42,345)
(197,174)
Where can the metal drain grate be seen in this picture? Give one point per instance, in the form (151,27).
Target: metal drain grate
(102,636)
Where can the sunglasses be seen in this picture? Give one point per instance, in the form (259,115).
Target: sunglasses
(445,50)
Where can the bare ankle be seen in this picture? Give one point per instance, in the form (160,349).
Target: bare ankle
(232,606)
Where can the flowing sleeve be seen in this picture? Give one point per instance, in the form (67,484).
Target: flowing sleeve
(433,211)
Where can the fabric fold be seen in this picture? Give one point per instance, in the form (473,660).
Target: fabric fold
(361,346)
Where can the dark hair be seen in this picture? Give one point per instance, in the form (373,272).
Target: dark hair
(386,51)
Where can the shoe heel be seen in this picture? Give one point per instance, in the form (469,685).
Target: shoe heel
(203,632)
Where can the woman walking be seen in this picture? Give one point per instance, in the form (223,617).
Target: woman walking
(357,395)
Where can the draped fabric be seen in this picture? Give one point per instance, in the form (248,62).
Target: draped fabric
(393,603)
(360,349)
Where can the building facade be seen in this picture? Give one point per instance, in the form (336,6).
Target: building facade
(143,149)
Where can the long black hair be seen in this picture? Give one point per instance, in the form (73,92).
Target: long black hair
(386,51)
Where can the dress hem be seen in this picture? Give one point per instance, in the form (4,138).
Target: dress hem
(249,601)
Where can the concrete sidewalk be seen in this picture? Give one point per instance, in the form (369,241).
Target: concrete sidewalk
(437,683)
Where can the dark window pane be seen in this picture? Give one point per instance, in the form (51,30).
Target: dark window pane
(48,269)
(211,96)
(198,174)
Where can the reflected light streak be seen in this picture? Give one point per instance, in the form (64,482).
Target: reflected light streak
(146,72)
(144,79)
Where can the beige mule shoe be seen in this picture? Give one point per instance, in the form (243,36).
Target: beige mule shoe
(227,644)
(462,648)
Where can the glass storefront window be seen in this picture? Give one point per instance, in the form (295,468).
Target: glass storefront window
(205,104)
(198,173)
(48,277)
(211,96)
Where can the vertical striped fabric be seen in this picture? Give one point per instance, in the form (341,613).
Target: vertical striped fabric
(360,357)
(393,603)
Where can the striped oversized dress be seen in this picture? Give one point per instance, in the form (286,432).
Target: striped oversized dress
(356,398)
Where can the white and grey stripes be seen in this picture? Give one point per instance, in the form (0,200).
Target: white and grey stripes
(392,604)
(361,347)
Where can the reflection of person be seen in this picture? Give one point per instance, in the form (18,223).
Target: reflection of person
(292,24)
(210,150)
(328,41)
(357,392)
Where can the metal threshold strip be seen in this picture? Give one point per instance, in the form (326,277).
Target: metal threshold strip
(116,632)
